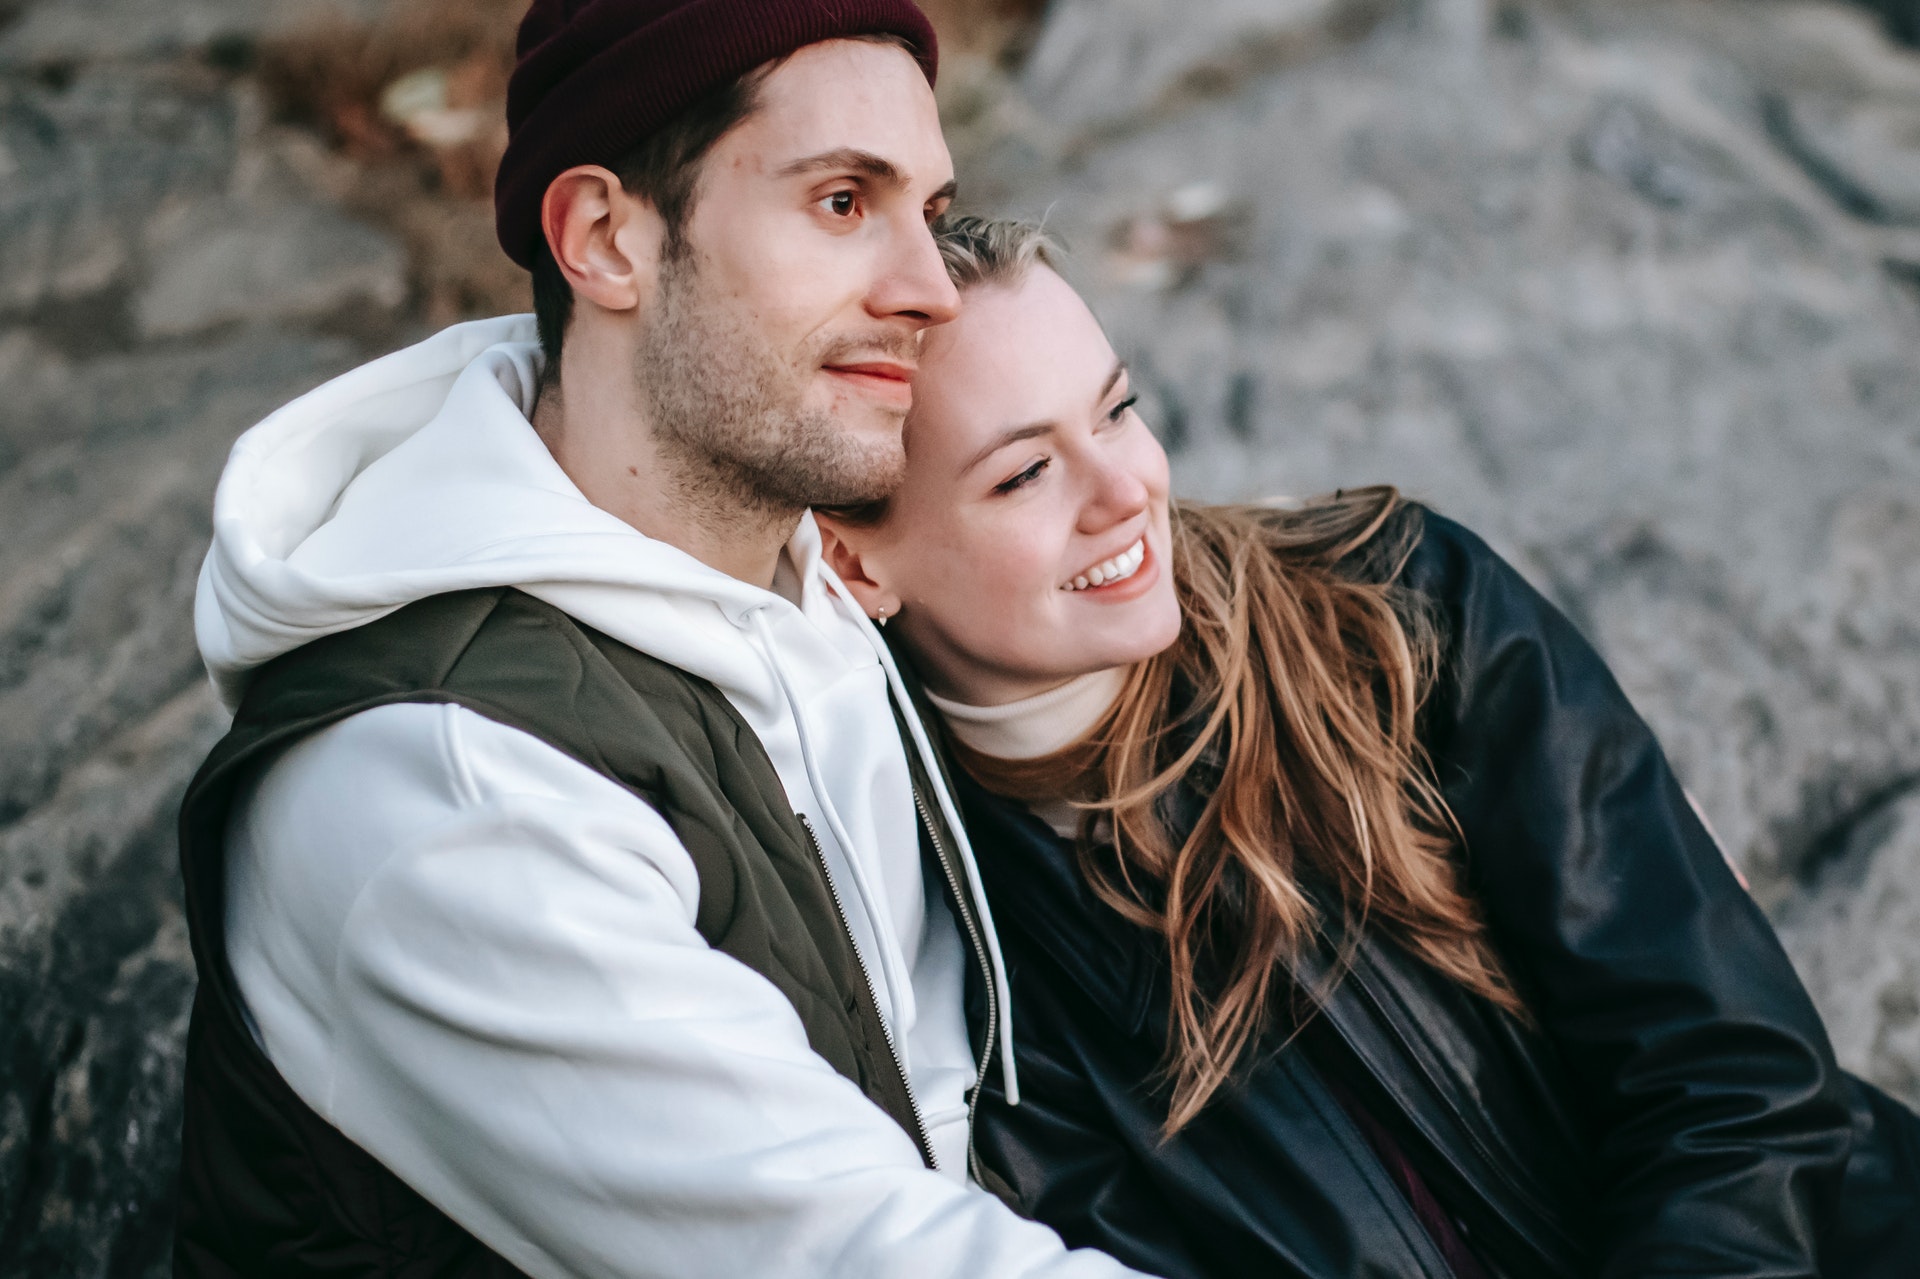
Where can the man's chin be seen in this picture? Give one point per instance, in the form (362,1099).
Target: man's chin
(861,479)
(832,462)
(870,456)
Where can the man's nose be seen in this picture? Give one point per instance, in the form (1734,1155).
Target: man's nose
(914,284)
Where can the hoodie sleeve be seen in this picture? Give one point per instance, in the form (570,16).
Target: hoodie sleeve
(523,1024)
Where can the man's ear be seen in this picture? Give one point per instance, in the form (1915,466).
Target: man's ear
(606,242)
(840,548)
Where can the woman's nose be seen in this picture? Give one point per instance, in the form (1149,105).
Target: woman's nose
(1118,495)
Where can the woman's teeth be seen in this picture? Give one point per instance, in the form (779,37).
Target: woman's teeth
(1120,567)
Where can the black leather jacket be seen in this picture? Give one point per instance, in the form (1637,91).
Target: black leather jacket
(1677,1112)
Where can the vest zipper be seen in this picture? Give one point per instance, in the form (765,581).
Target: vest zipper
(886,1032)
(986,969)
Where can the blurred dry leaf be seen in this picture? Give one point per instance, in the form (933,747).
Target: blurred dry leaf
(1196,223)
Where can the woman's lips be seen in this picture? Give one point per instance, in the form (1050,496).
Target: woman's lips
(1131,587)
(880,380)
(1115,568)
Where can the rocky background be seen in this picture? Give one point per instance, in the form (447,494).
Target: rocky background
(1634,288)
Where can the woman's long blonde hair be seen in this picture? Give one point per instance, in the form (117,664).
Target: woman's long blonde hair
(1286,710)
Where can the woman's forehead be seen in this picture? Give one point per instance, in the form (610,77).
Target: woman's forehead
(1012,342)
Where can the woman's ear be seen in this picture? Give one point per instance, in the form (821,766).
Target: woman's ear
(840,547)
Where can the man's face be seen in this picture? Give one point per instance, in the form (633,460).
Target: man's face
(781,343)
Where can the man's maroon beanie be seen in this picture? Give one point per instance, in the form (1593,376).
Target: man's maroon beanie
(595,77)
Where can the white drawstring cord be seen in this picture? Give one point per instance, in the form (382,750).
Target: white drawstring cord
(889,966)
(1009,1079)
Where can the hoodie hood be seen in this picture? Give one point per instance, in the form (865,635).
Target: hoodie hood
(419,474)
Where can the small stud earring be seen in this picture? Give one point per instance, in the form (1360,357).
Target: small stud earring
(880,618)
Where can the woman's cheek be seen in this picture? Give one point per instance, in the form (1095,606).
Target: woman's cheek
(1038,567)
(978,573)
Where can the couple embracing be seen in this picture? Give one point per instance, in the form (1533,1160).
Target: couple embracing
(750,773)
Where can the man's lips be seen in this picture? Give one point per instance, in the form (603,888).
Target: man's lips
(877,368)
(881,379)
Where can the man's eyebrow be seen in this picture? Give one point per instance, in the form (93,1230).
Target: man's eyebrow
(848,159)
(1033,430)
(866,164)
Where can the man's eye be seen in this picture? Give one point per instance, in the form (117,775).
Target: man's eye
(841,204)
(1023,479)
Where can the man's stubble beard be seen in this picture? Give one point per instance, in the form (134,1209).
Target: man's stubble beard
(731,416)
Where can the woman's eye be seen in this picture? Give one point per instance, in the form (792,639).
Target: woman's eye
(1120,409)
(841,204)
(1025,477)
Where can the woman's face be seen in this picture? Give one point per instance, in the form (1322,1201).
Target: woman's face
(1028,541)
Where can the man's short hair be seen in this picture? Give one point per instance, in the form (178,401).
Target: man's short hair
(664,170)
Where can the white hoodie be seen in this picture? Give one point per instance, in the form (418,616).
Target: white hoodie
(477,958)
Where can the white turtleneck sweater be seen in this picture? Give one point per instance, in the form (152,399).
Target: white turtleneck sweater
(1036,726)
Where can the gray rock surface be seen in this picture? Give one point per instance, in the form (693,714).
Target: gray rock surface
(87,156)
(1632,287)
(71,31)
(112,434)
(221,265)
(1868,993)
(1866,153)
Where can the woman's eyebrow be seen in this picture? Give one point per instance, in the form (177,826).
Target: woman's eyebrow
(1011,436)
(1033,430)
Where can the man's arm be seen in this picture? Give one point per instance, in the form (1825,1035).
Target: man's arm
(524,1025)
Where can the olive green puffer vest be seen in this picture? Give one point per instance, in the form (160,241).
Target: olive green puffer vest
(267,1186)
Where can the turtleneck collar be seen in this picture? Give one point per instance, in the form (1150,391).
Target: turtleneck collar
(1034,726)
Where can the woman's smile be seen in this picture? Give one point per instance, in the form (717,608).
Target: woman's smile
(1109,572)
